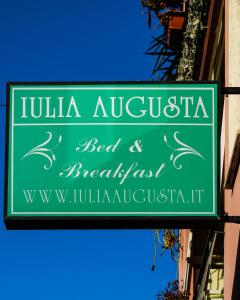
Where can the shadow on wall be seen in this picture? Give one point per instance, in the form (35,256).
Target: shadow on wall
(236,282)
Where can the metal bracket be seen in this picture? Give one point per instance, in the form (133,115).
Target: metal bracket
(231,219)
(234,163)
(230,90)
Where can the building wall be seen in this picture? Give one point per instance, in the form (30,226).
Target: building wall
(183,253)
(232,124)
(212,68)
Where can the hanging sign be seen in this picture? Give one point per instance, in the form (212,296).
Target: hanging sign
(94,154)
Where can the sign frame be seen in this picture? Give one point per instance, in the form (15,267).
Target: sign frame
(112,222)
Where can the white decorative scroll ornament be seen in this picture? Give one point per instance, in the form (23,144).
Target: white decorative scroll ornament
(44,151)
(183,150)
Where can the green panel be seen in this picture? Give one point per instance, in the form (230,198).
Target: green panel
(112,150)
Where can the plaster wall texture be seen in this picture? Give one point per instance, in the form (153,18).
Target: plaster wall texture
(183,254)
(232,124)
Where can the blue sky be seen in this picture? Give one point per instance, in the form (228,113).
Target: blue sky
(75,41)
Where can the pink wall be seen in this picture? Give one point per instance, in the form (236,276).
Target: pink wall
(232,198)
(184,235)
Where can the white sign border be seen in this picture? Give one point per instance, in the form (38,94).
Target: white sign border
(212,213)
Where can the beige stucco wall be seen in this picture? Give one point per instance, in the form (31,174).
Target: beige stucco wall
(185,248)
(184,235)
(232,123)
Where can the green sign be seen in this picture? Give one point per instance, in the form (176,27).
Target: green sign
(112,150)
